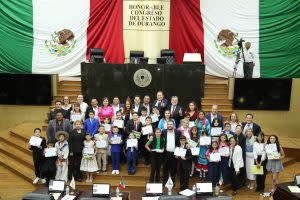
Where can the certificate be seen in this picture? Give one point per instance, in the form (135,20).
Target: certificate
(137,134)
(143,120)
(204,140)
(258,171)
(119,123)
(116,140)
(107,127)
(88,150)
(270,148)
(216,131)
(191,124)
(101,144)
(180,152)
(35,141)
(154,118)
(224,151)
(273,155)
(192,143)
(132,143)
(146,130)
(215,157)
(195,151)
(50,152)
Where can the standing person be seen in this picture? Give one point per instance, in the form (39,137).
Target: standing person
(214,171)
(58,124)
(155,116)
(37,155)
(93,107)
(88,161)
(143,115)
(171,137)
(83,105)
(105,110)
(127,111)
(76,139)
(259,154)
(250,139)
(132,154)
(136,103)
(133,125)
(202,162)
(240,139)
(161,103)
(116,105)
(147,105)
(275,165)
(184,164)
(234,121)
(62,149)
(155,146)
(144,139)
(224,152)
(101,137)
(250,124)
(195,138)
(202,123)
(115,140)
(227,129)
(66,105)
(49,164)
(184,129)
(76,114)
(192,111)
(91,124)
(214,114)
(249,61)
(58,108)
(175,110)
(235,163)
(162,124)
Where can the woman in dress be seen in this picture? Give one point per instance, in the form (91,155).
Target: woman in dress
(192,111)
(105,110)
(127,111)
(250,139)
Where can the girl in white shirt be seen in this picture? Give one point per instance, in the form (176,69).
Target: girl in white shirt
(76,114)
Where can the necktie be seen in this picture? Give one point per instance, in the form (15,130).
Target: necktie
(173,110)
(135,126)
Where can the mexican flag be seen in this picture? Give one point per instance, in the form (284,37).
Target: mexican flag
(122,184)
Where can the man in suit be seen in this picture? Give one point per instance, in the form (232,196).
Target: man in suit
(116,105)
(136,103)
(93,107)
(175,110)
(171,137)
(58,124)
(57,108)
(214,114)
(161,103)
(250,124)
(146,104)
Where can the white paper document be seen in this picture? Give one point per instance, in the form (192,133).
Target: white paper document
(119,123)
(271,148)
(132,143)
(195,151)
(116,140)
(224,151)
(35,141)
(50,152)
(294,189)
(192,143)
(143,120)
(204,140)
(88,150)
(107,127)
(215,157)
(146,130)
(216,131)
(180,152)
(154,118)
(187,192)
(68,197)
(191,124)
(101,144)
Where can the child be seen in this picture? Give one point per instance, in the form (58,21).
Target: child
(91,124)
(119,122)
(224,152)
(131,156)
(155,116)
(195,137)
(155,146)
(101,137)
(37,155)
(106,124)
(184,164)
(88,162)
(143,116)
(144,139)
(227,129)
(202,163)
(213,165)
(62,149)
(49,165)
(259,154)
(275,165)
(115,140)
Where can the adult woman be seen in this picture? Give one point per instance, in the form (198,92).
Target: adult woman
(235,163)
(66,105)
(192,110)
(76,114)
(234,121)
(185,130)
(250,139)
(127,111)
(105,110)
(162,124)
(202,123)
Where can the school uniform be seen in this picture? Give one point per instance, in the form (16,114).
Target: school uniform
(49,168)
(37,155)
(259,154)
(115,153)
(184,168)
(62,149)
(214,171)
(132,153)
(235,164)
(91,126)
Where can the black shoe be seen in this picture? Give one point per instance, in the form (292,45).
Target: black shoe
(234,193)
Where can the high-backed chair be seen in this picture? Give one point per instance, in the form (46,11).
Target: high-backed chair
(96,55)
(169,54)
(135,56)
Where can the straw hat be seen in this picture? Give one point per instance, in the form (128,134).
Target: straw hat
(58,133)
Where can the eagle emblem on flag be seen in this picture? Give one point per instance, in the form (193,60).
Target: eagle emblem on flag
(226,43)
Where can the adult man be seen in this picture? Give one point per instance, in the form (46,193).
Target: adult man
(58,124)
(83,105)
(133,125)
(57,108)
(116,105)
(161,103)
(175,110)
(146,104)
(93,107)
(250,124)
(214,114)
(137,103)
(249,62)
(171,137)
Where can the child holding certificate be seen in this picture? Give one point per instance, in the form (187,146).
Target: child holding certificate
(49,164)
(62,149)
(184,164)
(88,162)
(91,124)
(214,158)
(147,131)
(195,138)
(224,152)
(101,140)
(274,165)
(155,116)
(202,162)
(37,149)
(132,153)
(115,140)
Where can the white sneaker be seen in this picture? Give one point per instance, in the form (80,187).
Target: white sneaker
(43,180)
(113,172)
(117,172)
(36,180)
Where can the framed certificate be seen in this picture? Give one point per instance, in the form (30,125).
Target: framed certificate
(116,140)
(107,127)
(35,141)
(192,143)
(180,152)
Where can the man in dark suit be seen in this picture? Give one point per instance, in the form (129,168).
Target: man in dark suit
(92,107)
(136,103)
(241,141)
(58,124)
(250,124)
(171,137)
(116,105)
(161,103)
(134,125)
(175,110)
(57,108)
(146,104)
(214,114)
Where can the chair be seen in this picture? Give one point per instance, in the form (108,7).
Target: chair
(169,54)
(96,55)
(135,56)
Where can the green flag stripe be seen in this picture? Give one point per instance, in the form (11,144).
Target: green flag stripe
(279,38)
(16,36)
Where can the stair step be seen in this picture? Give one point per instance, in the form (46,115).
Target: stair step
(216,86)
(216,82)
(19,144)
(220,106)
(69,87)
(215,101)
(214,92)
(68,92)
(19,136)
(69,82)
(288,161)
(216,96)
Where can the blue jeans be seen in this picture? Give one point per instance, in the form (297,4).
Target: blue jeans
(131,161)
(115,157)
